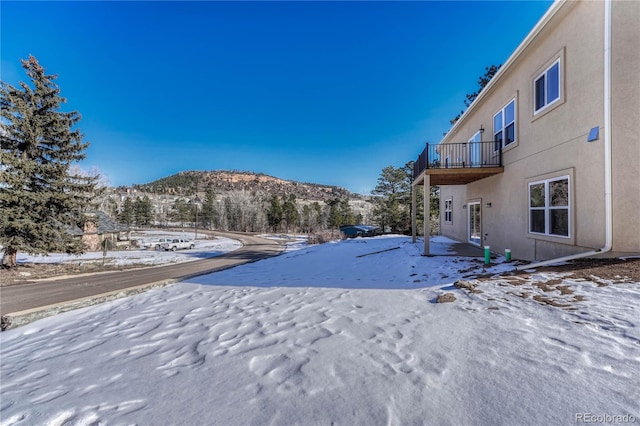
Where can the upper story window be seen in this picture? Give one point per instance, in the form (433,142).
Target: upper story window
(504,126)
(547,87)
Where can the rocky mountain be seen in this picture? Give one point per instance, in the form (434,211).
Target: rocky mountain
(221,181)
(241,201)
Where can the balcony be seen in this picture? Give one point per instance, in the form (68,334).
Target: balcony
(457,163)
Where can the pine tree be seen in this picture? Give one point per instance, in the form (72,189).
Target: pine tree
(393,202)
(306,218)
(320,219)
(208,214)
(127,214)
(274,213)
(433,200)
(348,218)
(340,213)
(290,213)
(41,199)
(112,207)
(181,211)
(143,210)
(483,80)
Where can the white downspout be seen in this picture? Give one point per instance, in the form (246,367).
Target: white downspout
(608,167)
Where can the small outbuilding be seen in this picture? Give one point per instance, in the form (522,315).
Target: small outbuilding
(100,227)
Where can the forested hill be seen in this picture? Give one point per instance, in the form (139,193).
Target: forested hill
(185,183)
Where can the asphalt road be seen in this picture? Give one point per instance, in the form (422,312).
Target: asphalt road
(33,295)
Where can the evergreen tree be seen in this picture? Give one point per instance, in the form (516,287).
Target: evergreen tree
(388,214)
(41,199)
(274,213)
(312,217)
(434,203)
(290,213)
(408,169)
(393,202)
(143,210)
(340,213)
(127,213)
(348,218)
(334,218)
(208,213)
(307,217)
(319,219)
(359,219)
(181,211)
(112,207)
(483,80)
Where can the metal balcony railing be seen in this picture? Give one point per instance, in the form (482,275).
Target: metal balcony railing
(466,155)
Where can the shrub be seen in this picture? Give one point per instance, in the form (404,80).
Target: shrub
(321,237)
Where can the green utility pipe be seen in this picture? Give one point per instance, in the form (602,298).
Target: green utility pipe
(487,255)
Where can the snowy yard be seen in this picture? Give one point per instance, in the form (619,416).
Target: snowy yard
(341,333)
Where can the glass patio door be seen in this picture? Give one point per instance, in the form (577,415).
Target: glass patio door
(475,228)
(474,151)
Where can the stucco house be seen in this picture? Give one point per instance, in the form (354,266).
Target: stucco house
(546,160)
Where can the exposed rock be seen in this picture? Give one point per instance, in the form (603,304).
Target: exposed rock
(465,284)
(221,181)
(446,298)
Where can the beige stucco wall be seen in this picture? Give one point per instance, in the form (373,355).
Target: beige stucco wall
(554,143)
(457,228)
(625,93)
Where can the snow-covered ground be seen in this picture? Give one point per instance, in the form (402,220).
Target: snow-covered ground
(341,333)
(292,241)
(204,248)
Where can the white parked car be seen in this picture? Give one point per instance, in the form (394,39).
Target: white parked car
(177,244)
(161,241)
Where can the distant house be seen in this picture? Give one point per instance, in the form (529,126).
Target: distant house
(546,160)
(99,227)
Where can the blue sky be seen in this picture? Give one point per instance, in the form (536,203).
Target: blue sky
(323,92)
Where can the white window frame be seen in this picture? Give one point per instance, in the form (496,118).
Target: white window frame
(503,115)
(546,102)
(470,208)
(448,210)
(547,208)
